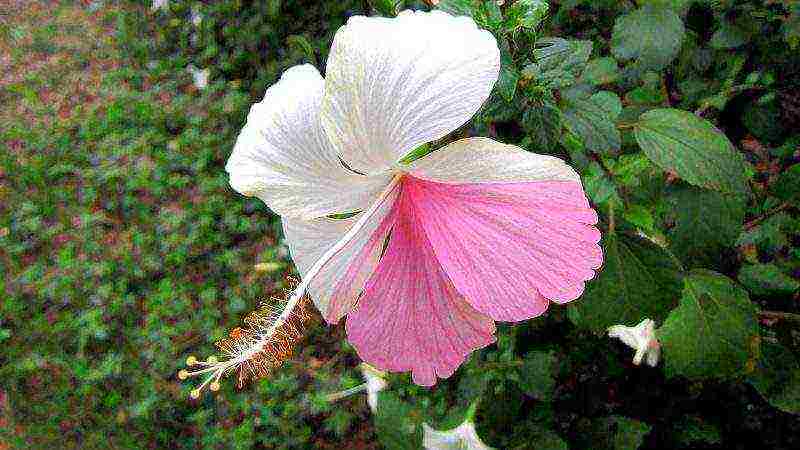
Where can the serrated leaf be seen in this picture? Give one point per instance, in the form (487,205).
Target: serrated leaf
(706,223)
(457,7)
(526,14)
(598,185)
(769,235)
(397,423)
(767,279)
(613,433)
(543,125)
(537,376)
(610,103)
(777,377)
(507,82)
(601,71)
(593,124)
(713,333)
(693,429)
(787,186)
(652,35)
(729,36)
(693,148)
(509,75)
(639,279)
(558,62)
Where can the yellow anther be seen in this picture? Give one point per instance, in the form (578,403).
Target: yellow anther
(195,394)
(183,374)
(214,386)
(190,361)
(212,360)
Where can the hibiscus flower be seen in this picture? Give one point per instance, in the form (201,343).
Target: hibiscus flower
(438,249)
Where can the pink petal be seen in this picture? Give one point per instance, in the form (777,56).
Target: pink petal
(509,247)
(411,317)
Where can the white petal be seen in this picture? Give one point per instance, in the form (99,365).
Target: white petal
(653,354)
(483,160)
(283,157)
(462,437)
(394,84)
(335,289)
(641,338)
(624,334)
(376,382)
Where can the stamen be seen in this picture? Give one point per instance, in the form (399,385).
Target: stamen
(270,333)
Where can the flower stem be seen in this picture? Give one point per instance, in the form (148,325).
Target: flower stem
(780,315)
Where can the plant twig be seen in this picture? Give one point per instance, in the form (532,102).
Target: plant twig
(753,223)
(780,315)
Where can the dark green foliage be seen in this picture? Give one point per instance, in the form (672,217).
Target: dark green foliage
(713,332)
(640,279)
(123,250)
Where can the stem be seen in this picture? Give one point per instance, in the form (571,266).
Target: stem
(345,393)
(317,268)
(611,222)
(473,408)
(780,315)
(751,224)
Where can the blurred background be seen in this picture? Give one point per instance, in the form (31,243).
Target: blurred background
(123,249)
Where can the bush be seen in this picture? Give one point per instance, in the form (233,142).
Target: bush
(123,249)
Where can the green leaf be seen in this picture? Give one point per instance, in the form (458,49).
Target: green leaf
(526,14)
(595,125)
(397,423)
(651,35)
(713,333)
(769,235)
(706,223)
(640,216)
(457,7)
(610,103)
(509,76)
(543,125)
(601,71)
(612,433)
(388,8)
(543,439)
(729,36)
(777,377)
(537,376)
(558,62)
(693,148)
(639,279)
(301,43)
(767,279)
(692,429)
(598,185)
(787,186)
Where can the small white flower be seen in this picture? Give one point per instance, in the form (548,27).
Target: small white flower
(641,338)
(463,437)
(200,76)
(160,4)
